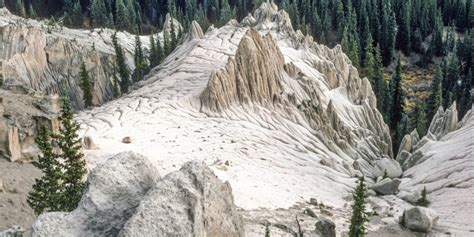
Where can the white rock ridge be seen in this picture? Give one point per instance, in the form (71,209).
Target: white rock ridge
(445,166)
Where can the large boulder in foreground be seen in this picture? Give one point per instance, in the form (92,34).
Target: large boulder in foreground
(189,202)
(419,219)
(114,190)
(125,196)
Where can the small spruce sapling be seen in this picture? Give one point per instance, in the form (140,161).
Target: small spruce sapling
(359,217)
(423,200)
(267,230)
(385,175)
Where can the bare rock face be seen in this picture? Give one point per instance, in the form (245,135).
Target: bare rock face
(386,186)
(114,190)
(20,118)
(258,77)
(444,121)
(195,32)
(189,202)
(388,165)
(259,83)
(46,58)
(125,196)
(88,143)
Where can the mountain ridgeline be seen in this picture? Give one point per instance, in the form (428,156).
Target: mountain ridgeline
(373,33)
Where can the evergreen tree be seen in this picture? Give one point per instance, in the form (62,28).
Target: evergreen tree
(31,11)
(436,45)
(267,231)
(416,41)
(423,200)
(20,7)
(67,8)
(159,51)
(153,57)
(226,13)
(465,98)
(74,164)
(132,16)
(451,79)
(46,193)
(140,62)
(369,63)
(380,84)
(99,13)
(115,86)
(397,96)
(418,118)
(339,19)
(359,218)
(85,85)
(389,33)
(166,43)
(171,6)
(76,14)
(350,46)
(435,98)
(350,38)
(122,66)
(403,36)
(122,17)
(173,36)
(201,18)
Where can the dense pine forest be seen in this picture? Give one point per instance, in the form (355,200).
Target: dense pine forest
(385,39)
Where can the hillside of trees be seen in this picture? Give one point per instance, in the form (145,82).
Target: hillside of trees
(375,34)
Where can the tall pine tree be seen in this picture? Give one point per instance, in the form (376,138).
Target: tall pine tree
(397,96)
(359,218)
(85,85)
(122,66)
(46,193)
(435,98)
(74,164)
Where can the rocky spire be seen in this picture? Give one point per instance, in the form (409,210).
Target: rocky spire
(249,77)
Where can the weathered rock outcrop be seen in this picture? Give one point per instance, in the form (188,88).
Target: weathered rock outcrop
(46,57)
(20,118)
(126,197)
(444,121)
(443,165)
(259,82)
(326,228)
(386,186)
(259,77)
(189,202)
(419,219)
(114,190)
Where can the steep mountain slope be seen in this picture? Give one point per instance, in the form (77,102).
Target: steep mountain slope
(45,57)
(280,117)
(443,162)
